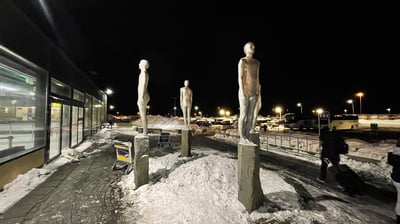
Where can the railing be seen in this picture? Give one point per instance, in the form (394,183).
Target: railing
(17,133)
(10,138)
(299,142)
(304,143)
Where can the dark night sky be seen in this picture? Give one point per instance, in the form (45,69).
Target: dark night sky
(319,55)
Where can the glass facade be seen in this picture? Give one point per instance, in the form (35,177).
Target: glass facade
(59,88)
(39,86)
(65,129)
(22,109)
(98,114)
(71,126)
(78,95)
(26,122)
(74,126)
(88,114)
(55,128)
(80,124)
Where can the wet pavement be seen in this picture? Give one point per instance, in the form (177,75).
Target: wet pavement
(85,191)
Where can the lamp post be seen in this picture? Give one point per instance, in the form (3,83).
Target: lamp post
(352,105)
(319,112)
(388,110)
(196,108)
(108,92)
(279,111)
(174,107)
(148,109)
(301,107)
(360,94)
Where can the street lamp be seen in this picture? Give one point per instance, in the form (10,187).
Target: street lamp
(279,110)
(148,109)
(174,107)
(301,107)
(352,105)
(360,94)
(388,110)
(221,112)
(109,91)
(319,112)
(196,108)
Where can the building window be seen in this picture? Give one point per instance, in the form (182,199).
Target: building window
(60,88)
(22,109)
(97,113)
(79,96)
(88,115)
(74,126)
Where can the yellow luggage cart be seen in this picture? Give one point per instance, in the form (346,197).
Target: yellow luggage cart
(124,155)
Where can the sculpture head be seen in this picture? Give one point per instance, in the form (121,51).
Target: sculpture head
(186,83)
(144,64)
(249,48)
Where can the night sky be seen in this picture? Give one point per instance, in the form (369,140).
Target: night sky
(319,55)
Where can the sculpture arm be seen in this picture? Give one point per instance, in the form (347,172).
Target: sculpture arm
(259,96)
(143,82)
(146,83)
(240,76)
(258,79)
(181,98)
(191,99)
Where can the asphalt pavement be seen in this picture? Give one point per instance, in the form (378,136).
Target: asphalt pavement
(78,192)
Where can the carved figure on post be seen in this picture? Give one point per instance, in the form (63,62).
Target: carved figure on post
(143,94)
(249,92)
(186,97)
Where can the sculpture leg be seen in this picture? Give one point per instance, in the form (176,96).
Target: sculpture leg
(255,115)
(184,117)
(143,116)
(242,120)
(188,117)
(249,119)
(241,128)
(250,115)
(144,121)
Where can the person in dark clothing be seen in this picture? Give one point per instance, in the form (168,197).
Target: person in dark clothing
(329,153)
(394,160)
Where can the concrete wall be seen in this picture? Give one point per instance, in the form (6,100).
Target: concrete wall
(11,169)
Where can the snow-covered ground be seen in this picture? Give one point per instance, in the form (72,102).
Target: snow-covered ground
(204,189)
(369,160)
